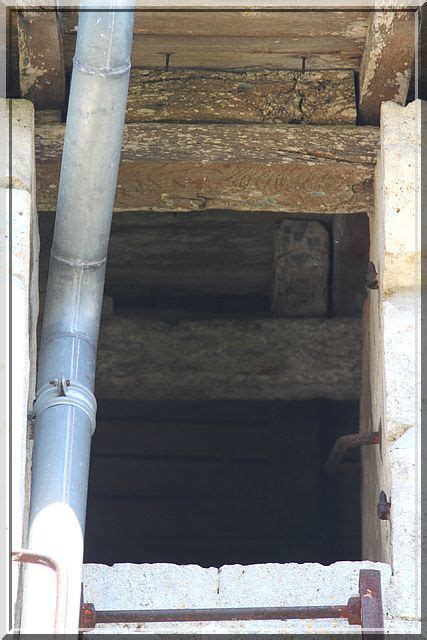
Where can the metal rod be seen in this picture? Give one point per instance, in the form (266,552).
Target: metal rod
(349,441)
(65,406)
(205,615)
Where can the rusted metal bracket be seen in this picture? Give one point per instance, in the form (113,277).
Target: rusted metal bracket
(27,556)
(364,610)
(344,443)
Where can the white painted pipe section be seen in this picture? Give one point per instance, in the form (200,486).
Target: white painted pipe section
(65,406)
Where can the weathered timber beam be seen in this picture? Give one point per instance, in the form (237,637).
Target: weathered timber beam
(387,62)
(316,97)
(230,255)
(41,61)
(349,25)
(301,270)
(282,168)
(229,359)
(220,39)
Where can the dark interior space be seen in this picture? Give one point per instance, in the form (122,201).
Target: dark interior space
(202,455)
(207,479)
(215,483)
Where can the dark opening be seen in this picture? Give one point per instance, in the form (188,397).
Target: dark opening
(222,483)
(212,479)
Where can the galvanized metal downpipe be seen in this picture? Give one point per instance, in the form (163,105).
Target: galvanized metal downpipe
(65,407)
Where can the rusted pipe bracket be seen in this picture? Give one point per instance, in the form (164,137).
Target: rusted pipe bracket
(364,610)
(30,557)
(346,442)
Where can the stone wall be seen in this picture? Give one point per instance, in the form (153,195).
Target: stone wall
(394,336)
(19,227)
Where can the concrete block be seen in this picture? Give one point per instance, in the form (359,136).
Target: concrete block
(150,586)
(170,586)
(18,225)
(400,125)
(22,141)
(398,206)
(402,357)
(395,358)
(405,526)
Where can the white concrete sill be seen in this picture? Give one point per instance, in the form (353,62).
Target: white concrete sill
(168,586)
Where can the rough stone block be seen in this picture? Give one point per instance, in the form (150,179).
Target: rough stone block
(150,586)
(400,317)
(17,210)
(397,187)
(21,138)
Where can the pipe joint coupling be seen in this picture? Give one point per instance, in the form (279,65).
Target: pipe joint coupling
(101,71)
(62,391)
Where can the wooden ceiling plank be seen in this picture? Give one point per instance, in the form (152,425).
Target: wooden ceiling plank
(387,62)
(223,39)
(314,97)
(282,168)
(271,359)
(351,25)
(41,60)
(218,52)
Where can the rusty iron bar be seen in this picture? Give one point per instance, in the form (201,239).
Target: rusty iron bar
(349,441)
(30,557)
(356,611)
(93,617)
(371,606)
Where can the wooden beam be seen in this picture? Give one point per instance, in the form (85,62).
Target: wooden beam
(223,39)
(301,270)
(282,168)
(387,62)
(41,62)
(229,359)
(216,52)
(351,26)
(168,256)
(314,97)
(224,255)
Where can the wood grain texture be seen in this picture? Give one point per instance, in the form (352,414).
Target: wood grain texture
(301,270)
(176,256)
(168,256)
(387,62)
(221,39)
(283,168)
(221,96)
(41,61)
(229,359)
(349,25)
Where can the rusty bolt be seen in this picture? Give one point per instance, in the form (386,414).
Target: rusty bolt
(383,507)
